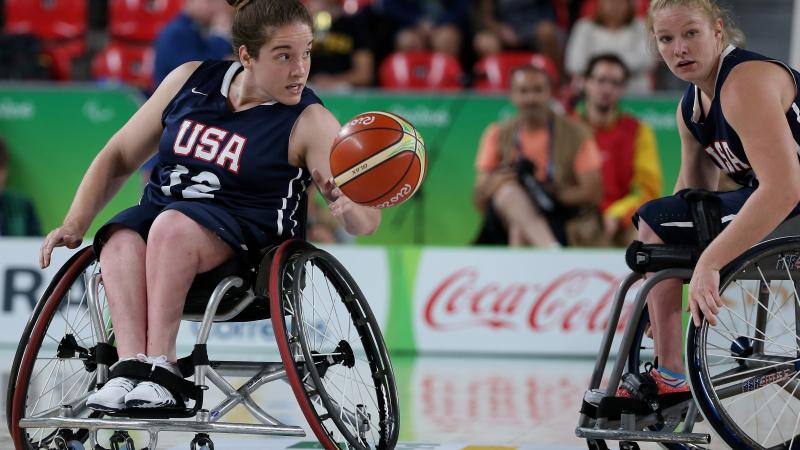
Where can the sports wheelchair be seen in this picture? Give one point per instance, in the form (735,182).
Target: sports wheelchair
(332,355)
(743,373)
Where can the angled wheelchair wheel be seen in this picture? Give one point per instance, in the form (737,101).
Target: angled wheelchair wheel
(54,365)
(335,357)
(745,371)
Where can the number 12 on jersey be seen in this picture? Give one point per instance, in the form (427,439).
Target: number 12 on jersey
(204,183)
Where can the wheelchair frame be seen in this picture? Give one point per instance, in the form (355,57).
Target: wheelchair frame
(206,420)
(628,430)
(777,259)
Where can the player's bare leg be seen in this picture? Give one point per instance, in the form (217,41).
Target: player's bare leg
(529,225)
(664,304)
(178,248)
(123,263)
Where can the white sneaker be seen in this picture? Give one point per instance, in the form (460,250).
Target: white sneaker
(111,397)
(148,394)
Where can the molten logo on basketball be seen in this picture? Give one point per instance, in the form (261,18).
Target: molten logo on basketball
(397,198)
(362,120)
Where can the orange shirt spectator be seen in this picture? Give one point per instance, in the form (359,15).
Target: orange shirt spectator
(536,147)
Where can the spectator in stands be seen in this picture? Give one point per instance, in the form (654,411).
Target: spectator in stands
(17,215)
(614,28)
(538,180)
(631,168)
(437,25)
(528,25)
(201,31)
(342,58)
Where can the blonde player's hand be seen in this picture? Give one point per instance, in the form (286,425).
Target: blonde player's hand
(63,236)
(337,201)
(704,298)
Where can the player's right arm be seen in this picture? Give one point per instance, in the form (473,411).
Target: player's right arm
(123,154)
(697,170)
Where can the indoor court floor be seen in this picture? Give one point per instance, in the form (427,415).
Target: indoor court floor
(446,403)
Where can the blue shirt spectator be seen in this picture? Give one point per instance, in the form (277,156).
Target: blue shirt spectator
(201,31)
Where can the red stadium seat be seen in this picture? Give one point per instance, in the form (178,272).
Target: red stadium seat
(421,71)
(140,20)
(492,72)
(61,54)
(47,19)
(127,63)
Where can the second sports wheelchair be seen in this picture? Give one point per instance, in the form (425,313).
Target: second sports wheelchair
(743,373)
(332,355)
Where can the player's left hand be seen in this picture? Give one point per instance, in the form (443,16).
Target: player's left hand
(337,201)
(704,298)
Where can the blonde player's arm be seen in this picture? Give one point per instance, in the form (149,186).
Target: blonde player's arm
(311,141)
(123,154)
(697,170)
(754,100)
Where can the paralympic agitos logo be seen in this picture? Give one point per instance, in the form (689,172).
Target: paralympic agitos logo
(577,299)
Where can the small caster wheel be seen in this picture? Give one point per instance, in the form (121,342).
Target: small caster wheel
(596,444)
(628,445)
(65,441)
(75,445)
(121,440)
(201,441)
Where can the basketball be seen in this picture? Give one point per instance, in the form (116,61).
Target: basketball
(378,159)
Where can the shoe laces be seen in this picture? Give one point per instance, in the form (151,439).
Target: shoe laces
(155,361)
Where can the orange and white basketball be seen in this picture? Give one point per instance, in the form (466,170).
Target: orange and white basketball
(378,159)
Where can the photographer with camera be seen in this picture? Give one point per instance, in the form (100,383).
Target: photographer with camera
(539,173)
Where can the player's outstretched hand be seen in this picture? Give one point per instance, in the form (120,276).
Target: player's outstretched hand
(337,201)
(704,298)
(63,236)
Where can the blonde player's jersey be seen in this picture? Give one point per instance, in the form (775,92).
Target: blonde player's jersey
(234,160)
(716,135)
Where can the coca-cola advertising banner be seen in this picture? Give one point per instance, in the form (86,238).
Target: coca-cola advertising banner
(22,282)
(506,301)
(461,300)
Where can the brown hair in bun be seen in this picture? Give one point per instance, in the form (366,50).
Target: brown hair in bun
(256,20)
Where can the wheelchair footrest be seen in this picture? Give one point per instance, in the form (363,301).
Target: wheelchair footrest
(153,413)
(643,436)
(161,425)
(612,407)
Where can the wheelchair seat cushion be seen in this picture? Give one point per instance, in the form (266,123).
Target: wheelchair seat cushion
(204,284)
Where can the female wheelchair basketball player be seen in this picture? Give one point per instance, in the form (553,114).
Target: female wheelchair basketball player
(739,115)
(238,144)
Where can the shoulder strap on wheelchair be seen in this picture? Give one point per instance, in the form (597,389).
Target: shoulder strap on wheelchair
(198,357)
(705,207)
(106,354)
(643,258)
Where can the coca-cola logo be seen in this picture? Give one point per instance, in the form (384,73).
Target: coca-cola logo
(576,300)
(404,192)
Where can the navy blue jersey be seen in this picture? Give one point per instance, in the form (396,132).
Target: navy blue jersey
(711,129)
(238,161)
